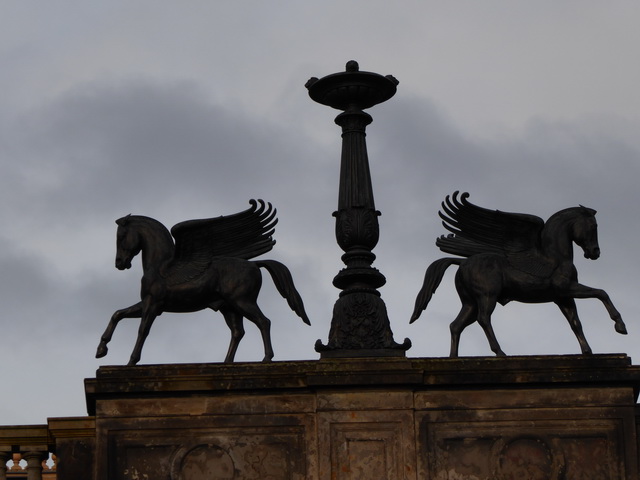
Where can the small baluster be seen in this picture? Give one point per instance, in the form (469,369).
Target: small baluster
(34,459)
(16,458)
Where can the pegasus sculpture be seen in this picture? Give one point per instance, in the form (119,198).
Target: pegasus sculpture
(208,267)
(513,256)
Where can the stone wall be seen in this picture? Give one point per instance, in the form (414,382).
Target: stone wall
(551,417)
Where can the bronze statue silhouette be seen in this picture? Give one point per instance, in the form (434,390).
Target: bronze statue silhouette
(207,268)
(513,256)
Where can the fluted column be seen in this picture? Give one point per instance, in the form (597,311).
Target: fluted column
(360,325)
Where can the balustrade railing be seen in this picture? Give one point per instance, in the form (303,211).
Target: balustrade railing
(25,453)
(16,468)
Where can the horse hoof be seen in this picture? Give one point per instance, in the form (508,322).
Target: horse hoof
(102,351)
(621,328)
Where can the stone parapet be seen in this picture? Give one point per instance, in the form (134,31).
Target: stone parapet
(301,375)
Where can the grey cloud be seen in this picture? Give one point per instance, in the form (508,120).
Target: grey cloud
(93,130)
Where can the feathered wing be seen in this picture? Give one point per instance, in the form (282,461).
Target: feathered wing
(480,230)
(243,235)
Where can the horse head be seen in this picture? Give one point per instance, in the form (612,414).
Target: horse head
(127,243)
(585,232)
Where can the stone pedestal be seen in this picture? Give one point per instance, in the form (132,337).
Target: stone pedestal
(553,417)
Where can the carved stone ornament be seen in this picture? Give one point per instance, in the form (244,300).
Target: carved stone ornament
(513,256)
(202,461)
(357,227)
(208,267)
(527,457)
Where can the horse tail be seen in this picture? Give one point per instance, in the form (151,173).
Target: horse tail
(284,283)
(432,279)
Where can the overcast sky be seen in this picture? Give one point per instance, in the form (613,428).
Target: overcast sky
(182,110)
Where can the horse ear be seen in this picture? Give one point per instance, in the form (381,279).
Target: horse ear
(588,210)
(123,221)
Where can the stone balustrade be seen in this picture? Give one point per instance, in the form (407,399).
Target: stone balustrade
(31,443)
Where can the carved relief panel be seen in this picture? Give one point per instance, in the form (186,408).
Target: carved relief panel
(533,450)
(258,453)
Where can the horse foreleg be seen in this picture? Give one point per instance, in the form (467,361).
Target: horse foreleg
(465,318)
(149,313)
(582,291)
(568,308)
(234,322)
(134,311)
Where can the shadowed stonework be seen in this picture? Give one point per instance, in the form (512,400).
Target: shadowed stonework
(554,417)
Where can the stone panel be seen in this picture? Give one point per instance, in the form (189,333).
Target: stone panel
(533,448)
(362,445)
(255,453)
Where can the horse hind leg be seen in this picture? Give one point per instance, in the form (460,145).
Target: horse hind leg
(568,308)
(486,307)
(252,312)
(234,322)
(466,317)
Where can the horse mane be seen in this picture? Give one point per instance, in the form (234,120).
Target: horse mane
(571,211)
(158,229)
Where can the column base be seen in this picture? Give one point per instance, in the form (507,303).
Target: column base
(360,328)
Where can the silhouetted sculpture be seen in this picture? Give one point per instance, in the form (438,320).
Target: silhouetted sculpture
(513,256)
(207,268)
(360,326)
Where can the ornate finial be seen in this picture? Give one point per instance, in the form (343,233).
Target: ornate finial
(352,66)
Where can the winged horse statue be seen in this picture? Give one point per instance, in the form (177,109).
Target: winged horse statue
(513,256)
(207,267)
